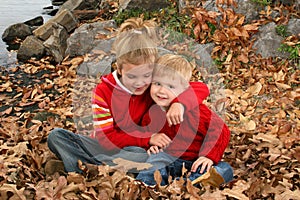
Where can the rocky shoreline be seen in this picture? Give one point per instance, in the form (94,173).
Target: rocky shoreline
(73,30)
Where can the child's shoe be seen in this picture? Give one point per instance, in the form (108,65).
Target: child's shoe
(53,166)
(212,178)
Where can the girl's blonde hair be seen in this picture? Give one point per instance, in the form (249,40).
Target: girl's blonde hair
(173,66)
(148,27)
(136,42)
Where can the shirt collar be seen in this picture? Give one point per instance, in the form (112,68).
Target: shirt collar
(115,75)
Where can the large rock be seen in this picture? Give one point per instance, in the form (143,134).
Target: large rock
(289,2)
(64,18)
(248,8)
(37,21)
(148,5)
(86,37)
(268,42)
(98,65)
(202,52)
(80,5)
(85,14)
(293,27)
(58,2)
(56,44)
(31,47)
(19,30)
(184,5)
(45,31)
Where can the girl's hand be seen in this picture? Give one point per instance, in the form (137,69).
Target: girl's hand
(154,150)
(160,139)
(175,114)
(205,163)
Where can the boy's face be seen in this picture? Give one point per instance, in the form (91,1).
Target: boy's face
(165,89)
(136,78)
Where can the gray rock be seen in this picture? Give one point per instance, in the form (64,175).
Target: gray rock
(58,2)
(245,7)
(37,21)
(56,44)
(96,67)
(268,41)
(85,14)
(19,30)
(79,5)
(148,5)
(65,18)
(45,31)
(185,4)
(31,47)
(84,39)
(203,51)
(289,2)
(81,41)
(249,9)
(293,27)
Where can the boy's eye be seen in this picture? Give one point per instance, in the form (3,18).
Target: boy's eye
(156,83)
(171,87)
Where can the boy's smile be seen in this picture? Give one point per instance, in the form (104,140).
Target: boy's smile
(165,89)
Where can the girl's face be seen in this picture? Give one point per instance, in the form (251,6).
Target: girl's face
(165,89)
(136,78)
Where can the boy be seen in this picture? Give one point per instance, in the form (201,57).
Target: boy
(198,142)
(118,103)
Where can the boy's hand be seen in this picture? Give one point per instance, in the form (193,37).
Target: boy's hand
(175,114)
(204,162)
(154,150)
(160,139)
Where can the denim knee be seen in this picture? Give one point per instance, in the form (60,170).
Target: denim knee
(57,139)
(148,176)
(225,170)
(52,137)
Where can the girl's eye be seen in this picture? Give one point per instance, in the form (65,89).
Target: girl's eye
(171,87)
(147,75)
(156,83)
(130,76)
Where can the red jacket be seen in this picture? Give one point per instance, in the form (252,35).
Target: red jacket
(117,113)
(202,133)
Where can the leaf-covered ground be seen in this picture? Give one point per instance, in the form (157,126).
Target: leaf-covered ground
(262,110)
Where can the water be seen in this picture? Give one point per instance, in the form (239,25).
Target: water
(18,11)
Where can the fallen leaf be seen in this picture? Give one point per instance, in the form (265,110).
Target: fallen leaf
(157,177)
(254,89)
(283,86)
(15,194)
(7,111)
(237,190)
(127,165)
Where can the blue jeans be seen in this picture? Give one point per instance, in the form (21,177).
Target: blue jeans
(169,165)
(71,147)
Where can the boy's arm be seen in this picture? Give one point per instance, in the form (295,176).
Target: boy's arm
(216,132)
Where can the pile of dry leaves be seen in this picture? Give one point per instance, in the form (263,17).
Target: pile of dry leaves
(262,110)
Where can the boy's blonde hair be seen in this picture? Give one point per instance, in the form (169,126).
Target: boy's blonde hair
(136,42)
(173,66)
